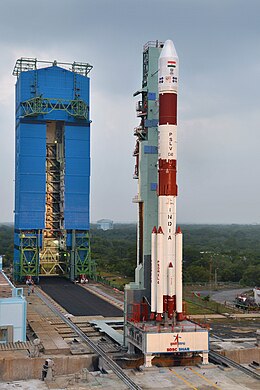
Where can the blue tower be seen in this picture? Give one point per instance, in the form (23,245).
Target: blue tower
(52,170)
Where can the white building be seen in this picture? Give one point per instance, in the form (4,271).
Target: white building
(12,311)
(105,224)
(257,295)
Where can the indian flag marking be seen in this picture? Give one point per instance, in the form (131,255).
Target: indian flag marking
(171,64)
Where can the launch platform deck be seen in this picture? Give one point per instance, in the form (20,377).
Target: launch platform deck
(183,326)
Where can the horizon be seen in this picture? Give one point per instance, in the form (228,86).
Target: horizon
(180,223)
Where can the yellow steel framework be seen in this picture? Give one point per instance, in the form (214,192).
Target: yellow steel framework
(42,106)
(53,256)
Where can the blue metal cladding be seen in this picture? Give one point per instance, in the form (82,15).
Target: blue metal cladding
(151,122)
(151,96)
(77,177)
(30,176)
(52,83)
(30,166)
(150,149)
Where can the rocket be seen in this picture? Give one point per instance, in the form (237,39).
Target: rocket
(166,243)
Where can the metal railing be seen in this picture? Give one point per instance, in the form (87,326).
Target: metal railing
(25,64)
(153,44)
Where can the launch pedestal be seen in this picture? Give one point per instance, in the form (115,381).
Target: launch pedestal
(186,338)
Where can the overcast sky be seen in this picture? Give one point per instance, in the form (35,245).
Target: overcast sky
(218,43)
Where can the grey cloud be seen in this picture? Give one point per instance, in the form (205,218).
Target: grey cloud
(217,42)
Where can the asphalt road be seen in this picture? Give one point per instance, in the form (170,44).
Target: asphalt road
(228,295)
(76,300)
(223,296)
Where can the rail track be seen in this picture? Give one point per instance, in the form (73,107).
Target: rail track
(114,366)
(214,356)
(223,360)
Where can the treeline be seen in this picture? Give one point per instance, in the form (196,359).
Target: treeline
(6,243)
(115,250)
(226,252)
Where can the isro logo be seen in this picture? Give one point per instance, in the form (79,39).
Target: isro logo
(169,79)
(175,345)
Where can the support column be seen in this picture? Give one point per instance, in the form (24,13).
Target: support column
(131,349)
(205,358)
(148,360)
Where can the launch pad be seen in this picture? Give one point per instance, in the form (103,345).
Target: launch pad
(183,338)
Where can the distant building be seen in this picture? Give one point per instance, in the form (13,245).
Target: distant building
(257,295)
(105,224)
(12,311)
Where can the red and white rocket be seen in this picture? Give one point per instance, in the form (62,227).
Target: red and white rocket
(166,247)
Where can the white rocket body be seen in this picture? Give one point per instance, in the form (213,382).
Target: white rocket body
(168,247)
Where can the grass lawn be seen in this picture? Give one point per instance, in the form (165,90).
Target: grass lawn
(115,280)
(192,308)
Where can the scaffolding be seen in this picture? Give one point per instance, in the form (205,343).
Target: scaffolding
(24,64)
(42,106)
(53,257)
(81,262)
(29,255)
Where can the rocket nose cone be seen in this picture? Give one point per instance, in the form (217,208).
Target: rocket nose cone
(168,50)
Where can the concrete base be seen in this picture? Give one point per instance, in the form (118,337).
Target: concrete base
(205,366)
(23,368)
(205,358)
(242,356)
(148,360)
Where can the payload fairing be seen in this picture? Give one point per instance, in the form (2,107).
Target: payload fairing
(166,244)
